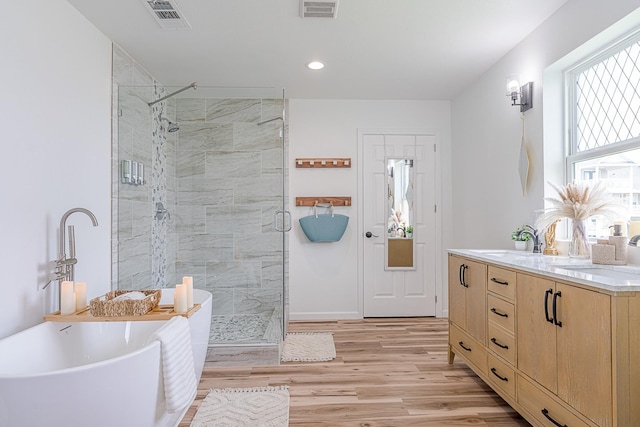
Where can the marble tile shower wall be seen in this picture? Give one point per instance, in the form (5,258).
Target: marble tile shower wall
(139,261)
(229,174)
(220,177)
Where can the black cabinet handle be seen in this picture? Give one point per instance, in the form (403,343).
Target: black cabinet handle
(555,312)
(463,280)
(460,278)
(546,305)
(545,412)
(461,344)
(494,371)
(494,280)
(495,341)
(494,311)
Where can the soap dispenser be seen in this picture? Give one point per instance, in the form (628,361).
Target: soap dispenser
(620,242)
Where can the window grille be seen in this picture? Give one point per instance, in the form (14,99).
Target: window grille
(607,100)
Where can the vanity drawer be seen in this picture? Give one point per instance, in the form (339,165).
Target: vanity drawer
(468,348)
(501,313)
(502,343)
(502,282)
(545,408)
(501,375)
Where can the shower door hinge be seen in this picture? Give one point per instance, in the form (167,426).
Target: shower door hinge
(434,148)
(436,299)
(435,208)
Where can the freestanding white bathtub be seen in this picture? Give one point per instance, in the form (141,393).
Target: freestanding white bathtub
(92,373)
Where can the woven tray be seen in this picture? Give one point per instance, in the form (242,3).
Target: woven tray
(104,306)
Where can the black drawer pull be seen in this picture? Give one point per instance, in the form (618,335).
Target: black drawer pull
(494,311)
(555,311)
(461,344)
(463,279)
(545,412)
(495,341)
(499,282)
(546,305)
(494,371)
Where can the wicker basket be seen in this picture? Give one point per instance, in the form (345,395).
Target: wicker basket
(104,306)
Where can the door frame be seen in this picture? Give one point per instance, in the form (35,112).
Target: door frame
(440,298)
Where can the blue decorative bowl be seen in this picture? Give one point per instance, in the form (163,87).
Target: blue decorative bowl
(324,227)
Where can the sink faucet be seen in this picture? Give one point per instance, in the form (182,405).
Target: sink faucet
(65,267)
(537,246)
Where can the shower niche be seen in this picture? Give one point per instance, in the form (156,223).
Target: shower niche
(216,163)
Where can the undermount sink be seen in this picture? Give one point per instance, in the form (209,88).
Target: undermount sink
(604,272)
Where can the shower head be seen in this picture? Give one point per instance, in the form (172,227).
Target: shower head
(172,127)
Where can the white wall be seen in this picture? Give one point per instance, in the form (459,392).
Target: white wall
(55,121)
(324,276)
(486,130)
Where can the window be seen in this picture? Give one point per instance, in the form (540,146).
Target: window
(604,125)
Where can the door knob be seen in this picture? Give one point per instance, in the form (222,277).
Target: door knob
(370,234)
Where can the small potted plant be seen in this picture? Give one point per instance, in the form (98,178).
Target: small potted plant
(409,231)
(520,238)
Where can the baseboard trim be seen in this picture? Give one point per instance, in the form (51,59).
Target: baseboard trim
(310,316)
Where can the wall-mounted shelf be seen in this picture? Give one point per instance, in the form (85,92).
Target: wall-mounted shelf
(331,162)
(312,201)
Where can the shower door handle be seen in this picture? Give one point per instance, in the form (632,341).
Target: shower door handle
(282,226)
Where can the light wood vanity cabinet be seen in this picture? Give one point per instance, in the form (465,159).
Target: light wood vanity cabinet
(467,296)
(564,344)
(560,353)
(501,341)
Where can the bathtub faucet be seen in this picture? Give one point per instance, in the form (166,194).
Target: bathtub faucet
(65,267)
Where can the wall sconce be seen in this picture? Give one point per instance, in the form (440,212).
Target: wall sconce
(523,93)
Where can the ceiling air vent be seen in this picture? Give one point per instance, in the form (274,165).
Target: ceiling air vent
(318,9)
(166,13)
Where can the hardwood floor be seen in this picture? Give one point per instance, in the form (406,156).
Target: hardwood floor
(388,372)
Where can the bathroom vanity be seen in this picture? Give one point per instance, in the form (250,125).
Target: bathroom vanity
(556,338)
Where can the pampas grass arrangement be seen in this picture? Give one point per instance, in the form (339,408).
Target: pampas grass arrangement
(579,201)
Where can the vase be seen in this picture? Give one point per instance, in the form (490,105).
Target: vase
(521,245)
(579,244)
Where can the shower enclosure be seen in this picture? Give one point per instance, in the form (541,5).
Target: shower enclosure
(211,202)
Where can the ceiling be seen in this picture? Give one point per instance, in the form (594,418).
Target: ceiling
(373,49)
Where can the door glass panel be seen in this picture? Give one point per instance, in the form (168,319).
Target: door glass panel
(400,206)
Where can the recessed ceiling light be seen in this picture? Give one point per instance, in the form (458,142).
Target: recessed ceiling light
(315,65)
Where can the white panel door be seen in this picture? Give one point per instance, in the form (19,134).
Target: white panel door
(398,292)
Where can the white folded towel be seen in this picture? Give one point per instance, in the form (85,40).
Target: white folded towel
(180,383)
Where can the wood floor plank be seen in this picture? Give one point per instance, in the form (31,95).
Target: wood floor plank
(387,372)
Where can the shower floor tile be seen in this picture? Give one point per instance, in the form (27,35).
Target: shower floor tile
(238,329)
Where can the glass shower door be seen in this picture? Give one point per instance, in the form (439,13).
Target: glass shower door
(221,179)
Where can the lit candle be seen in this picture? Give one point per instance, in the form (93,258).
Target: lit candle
(81,295)
(187,282)
(180,300)
(67,298)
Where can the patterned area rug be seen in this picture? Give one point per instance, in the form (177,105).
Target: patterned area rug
(308,347)
(234,407)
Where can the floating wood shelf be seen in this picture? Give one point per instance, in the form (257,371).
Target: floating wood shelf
(331,162)
(161,312)
(312,201)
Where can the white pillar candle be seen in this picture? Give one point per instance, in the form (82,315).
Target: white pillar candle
(187,282)
(180,300)
(81,295)
(67,298)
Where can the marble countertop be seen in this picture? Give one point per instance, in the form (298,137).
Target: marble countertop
(610,278)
